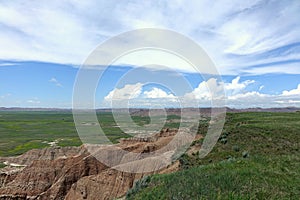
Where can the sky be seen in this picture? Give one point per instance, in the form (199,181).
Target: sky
(255,46)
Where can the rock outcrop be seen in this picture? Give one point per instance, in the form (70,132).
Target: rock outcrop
(42,154)
(105,185)
(74,173)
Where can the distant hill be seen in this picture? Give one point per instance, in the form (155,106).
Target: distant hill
(169,110)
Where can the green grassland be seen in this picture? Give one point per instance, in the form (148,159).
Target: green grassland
(22,131)
(257,157)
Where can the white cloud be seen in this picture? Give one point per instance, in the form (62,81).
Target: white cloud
(248,99)
(156,60)
(35,31)
(129,91)
(235,86)
(288,102)
(292,92)
(251,99)
(237,96)
(248,96)
(132,95)
(155,93)
(56,82)
(33,101)
(134,91)
(287,68)
(7,64)
(5,96)
(261,87)
(203,90)
(207,90)
(236,35)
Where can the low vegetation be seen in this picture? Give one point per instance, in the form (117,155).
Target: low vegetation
(257,157)
(22,131)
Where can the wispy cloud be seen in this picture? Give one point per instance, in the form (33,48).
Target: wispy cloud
(33,101)
(55,82)
(261,87)
(5,96)
(240,36)
(4,64)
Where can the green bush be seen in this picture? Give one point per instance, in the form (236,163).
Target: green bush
(245,154)
(236,148)
(223,140)
(2,165)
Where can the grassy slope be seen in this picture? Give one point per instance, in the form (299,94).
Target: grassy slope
(271,169)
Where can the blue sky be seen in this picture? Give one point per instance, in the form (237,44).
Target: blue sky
(255,46)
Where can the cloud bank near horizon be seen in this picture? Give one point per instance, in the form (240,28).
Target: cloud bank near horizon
(236,96)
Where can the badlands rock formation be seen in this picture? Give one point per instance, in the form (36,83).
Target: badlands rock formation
(74,173)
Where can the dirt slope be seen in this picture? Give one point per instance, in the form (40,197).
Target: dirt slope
(73,173)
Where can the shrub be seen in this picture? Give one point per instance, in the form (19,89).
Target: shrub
(138,185)
(2,165)
(184,161)
(245,154)
(236,148)
(237,124)
(223,140)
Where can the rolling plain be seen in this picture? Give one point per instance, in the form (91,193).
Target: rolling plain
(256,156)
